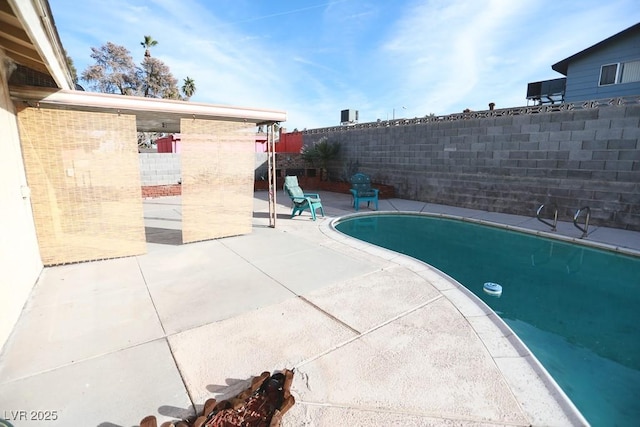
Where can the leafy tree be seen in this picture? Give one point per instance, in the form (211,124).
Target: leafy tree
(188,88)
(113,72)
(71,66)
(116,72)
(147,43)
(320,153)
(155,79)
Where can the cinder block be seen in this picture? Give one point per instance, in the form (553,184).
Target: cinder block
(606,155)
(603,175)
(573,125)
(580,155)
(528,145)
(592,164)
(559,155)
(608,134)
(560,135)
(588,114)
(570,145)
(622,144)
(583,135)
(619,165)
(629,155)
(537,155)
(550,127)
(632,133)
(530,128)
(610,112)
(549,145)
(597,124)
(594,145)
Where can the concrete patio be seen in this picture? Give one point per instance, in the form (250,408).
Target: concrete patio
(375,338)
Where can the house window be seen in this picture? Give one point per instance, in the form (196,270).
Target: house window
(608,74)
(630,72)
(624,72)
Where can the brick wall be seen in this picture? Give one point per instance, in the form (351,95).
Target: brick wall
(161,190)
(508,163)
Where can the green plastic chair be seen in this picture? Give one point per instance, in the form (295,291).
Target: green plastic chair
(302,201)
(362,192)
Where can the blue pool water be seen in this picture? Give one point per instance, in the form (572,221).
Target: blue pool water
(577,308)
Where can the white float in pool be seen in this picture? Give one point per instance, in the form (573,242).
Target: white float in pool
(492,289)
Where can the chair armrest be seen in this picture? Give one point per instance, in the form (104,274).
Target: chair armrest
(315,195)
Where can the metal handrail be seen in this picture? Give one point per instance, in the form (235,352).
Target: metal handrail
(555,217)
(585,230)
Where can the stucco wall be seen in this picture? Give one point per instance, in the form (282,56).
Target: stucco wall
(511,163)
(20,263)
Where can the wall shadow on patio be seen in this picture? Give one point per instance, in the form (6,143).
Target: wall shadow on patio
(163,236)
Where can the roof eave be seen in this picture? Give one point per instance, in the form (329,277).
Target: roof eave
(563,66)
(92,101)
(37,21)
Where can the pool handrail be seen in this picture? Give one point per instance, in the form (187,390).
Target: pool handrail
(555,217)
(585,230)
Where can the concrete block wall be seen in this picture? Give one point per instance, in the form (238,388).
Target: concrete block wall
(261,169)
(510,163)
(159,169)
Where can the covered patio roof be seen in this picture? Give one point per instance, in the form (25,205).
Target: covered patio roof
(29,37)
(152,114)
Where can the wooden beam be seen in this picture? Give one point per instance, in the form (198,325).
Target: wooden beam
(26,51)
(15,34)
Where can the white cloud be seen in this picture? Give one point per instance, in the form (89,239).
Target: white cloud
(313,61)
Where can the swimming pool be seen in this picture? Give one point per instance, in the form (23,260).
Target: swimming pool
(576,307)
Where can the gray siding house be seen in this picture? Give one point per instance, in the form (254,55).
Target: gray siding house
(610,68)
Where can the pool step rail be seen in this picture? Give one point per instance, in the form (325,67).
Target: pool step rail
(585,229)
(544,221)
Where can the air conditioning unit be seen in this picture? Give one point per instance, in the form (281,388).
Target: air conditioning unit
(348,117)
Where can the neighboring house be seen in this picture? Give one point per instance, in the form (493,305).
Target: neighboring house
(608,69)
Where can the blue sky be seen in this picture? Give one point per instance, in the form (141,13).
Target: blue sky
(314,58)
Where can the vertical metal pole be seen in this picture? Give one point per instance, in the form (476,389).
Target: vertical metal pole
(271,164)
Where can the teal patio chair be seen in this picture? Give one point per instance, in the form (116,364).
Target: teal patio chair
(362,192)
(301,201)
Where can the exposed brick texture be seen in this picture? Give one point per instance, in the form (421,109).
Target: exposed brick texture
(161,190)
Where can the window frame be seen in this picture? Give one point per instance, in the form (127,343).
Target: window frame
(615,78)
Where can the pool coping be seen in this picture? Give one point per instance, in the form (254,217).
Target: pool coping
(453,290)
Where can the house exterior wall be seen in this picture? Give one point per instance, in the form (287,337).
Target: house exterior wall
(511,164)
(583,73)
(20,263)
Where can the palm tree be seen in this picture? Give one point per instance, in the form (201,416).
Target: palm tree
(188,88)
(147,43)
(320,154)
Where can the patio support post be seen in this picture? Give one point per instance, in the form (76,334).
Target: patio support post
(271,164)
